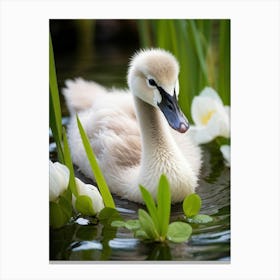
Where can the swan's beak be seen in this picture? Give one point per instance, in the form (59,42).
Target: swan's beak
(171,110)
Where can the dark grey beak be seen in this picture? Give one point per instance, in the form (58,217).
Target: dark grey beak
(170,108)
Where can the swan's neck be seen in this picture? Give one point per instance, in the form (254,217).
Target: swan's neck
(160,155)
(155,132)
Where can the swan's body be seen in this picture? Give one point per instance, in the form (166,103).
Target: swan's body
(129,134)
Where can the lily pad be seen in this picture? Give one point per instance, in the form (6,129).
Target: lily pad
(132,224)
(107,215)
(192,205)
(84,205)
(179,232)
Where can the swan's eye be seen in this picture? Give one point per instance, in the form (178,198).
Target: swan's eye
(152,82)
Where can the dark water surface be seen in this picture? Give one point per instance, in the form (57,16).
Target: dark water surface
(83,239)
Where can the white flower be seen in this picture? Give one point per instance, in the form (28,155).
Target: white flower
(210,116)
(59,179)
(225,150)
(90,191)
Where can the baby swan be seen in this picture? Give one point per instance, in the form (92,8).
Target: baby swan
(139,136)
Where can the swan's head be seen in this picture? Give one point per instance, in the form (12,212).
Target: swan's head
(153,77)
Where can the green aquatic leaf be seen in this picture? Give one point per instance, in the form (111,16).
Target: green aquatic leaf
(108,212)
(84,205)
(192,205)
(179,232)
(164,204)
(200,219)
(147,224)
(151,206)
(66,205)
(132,224)
(61,210)
(107,215)
(129,224)
(69,164)
(118,223)
(102,185)
(141,234)
(58,216)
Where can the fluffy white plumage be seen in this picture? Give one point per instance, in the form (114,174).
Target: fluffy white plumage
(129,134)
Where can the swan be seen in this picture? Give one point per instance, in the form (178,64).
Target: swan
(136,136)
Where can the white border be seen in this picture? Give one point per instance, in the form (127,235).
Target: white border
(255,138)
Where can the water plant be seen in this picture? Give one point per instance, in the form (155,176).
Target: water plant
(60,195)
(154,225)
(88,201)
(59,179)
(191,208)
(63,184)
(55,110)
(103,187)
(60,207)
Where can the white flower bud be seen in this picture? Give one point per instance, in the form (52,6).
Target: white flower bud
(58,179)
(90,191)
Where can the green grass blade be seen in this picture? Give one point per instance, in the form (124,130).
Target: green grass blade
(224,62)
(164,205)
(199,49)
(104,190)
(54,90)
(68,163)
(188,67)
(151,206)
(55,133)
(55,110)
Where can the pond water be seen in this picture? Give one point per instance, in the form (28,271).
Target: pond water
(85,240)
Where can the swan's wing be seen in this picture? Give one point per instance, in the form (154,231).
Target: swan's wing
(114,136)
(80,94)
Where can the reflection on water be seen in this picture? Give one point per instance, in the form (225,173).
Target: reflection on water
(85,239)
